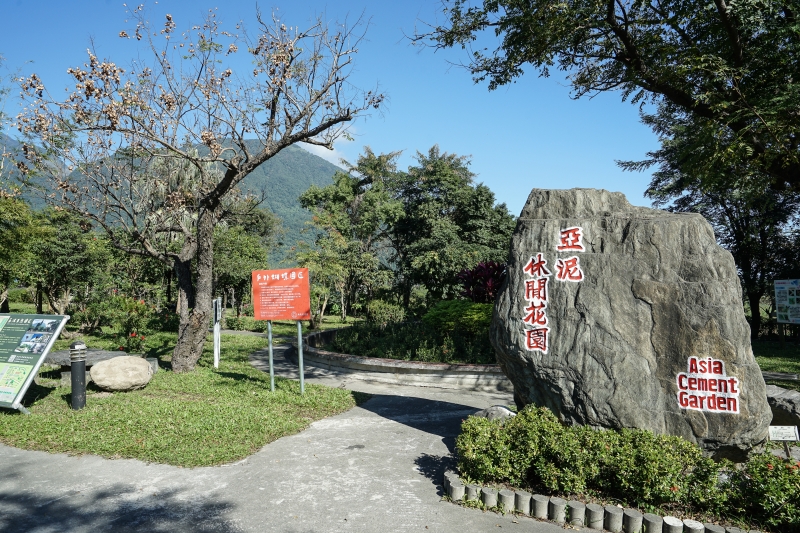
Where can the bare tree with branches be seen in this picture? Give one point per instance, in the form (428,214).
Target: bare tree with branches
(153,152)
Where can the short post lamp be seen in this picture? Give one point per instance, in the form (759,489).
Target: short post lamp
(77,359)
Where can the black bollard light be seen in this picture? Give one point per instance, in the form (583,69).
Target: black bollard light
(77,359)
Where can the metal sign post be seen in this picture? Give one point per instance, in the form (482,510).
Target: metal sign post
(271,370)
(217,329)
(300,355)
(282,295)
(25,341)
(786,434)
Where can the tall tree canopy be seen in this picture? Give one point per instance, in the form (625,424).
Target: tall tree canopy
(381,229)
(154,150)
(449,223)
(730,67)
(353,215)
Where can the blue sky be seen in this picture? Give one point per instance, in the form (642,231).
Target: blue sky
(529,134)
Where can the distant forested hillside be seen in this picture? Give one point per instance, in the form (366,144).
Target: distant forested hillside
(8,164)
(282,179)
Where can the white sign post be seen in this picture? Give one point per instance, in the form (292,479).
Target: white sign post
(217,329)
(786,434)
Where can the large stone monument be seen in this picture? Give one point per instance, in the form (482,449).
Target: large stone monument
(618,316)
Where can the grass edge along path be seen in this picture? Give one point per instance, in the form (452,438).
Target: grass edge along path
(203,418)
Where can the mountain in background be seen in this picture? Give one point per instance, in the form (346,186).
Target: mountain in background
(8,168)
(282,180)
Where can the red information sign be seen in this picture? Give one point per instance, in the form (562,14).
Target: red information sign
(281,294)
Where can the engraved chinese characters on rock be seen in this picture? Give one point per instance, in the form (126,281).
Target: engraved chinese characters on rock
(706,387)
(536,310)
(536,330)
(570,240)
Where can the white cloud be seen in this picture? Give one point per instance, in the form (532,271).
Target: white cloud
(341,150)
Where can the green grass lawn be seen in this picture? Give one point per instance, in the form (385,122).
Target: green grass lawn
(774,357)
(206,417)
(287,328)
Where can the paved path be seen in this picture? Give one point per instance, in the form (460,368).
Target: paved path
(375,468)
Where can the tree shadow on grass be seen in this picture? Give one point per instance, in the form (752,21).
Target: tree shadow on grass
(244,377)
(121,508)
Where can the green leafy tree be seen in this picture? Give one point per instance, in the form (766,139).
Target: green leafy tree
(237,253)
(352,216)
(327,274)
(17,230)
(448,224)
(729,66)
(63,259)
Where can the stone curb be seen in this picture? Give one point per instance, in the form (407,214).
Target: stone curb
(575,513)
(486,378)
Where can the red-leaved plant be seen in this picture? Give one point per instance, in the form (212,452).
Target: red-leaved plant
(483,281)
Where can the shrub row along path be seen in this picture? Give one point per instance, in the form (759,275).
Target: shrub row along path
(375,468)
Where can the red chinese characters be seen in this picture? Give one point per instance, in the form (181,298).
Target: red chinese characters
(537,267)
(536,315)
(536,310)
(536,330)
(536,288)
(569,269)
(536,339)
(571,240)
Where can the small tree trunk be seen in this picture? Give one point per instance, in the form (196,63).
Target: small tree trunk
(755,313)
(169,275)
(39,310)
(194,322)
(322,308)
(4,308)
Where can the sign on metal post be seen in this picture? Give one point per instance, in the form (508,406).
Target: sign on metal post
(787,300)
(283,295)
(25,341)
(786,434)
(217,329)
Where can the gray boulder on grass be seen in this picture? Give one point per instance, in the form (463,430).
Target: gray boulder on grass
(618,316)
(785,406)
(124,373)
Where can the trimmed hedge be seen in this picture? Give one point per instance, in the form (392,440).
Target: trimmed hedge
(413,341)
(460,316)
(535,451)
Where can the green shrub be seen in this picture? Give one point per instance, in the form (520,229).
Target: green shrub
(768,488)
(130,319)
(413,341)
(460,315)
(534,450)
(20,295)
(235,323)
(245,323)
(165,320)
(382,313)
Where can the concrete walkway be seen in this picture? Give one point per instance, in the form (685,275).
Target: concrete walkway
(376,468)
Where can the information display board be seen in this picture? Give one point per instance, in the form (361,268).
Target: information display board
(787,300)
(281,294)
(783,433)
(25,341)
